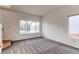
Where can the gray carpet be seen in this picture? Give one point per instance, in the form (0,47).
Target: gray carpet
(39,46)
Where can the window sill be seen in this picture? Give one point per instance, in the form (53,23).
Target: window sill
(29,33)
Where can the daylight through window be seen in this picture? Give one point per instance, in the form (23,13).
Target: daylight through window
(74,26)
(29,27)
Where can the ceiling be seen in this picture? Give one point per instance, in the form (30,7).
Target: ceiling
(37,9)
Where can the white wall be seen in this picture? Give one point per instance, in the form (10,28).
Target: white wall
(55,25)
(11,25)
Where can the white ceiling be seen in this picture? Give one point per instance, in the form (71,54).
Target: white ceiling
(37,9)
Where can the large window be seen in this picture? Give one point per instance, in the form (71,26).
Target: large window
(29,27)
(74,26)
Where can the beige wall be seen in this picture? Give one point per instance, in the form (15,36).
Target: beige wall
(1,20)
(11,25)
(1,30)
(55,25)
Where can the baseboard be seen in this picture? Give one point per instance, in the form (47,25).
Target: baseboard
(62,43)
(28,39)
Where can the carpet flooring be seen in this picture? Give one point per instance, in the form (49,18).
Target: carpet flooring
(39,46)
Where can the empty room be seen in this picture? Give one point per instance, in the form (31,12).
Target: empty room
(39,29)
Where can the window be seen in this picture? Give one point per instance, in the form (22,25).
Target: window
(29,27)
(74,26)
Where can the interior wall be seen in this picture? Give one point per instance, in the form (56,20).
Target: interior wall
(11,26)
(1,30)
(55,25)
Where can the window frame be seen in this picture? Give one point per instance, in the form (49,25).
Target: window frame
(74,37)
(27,32)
